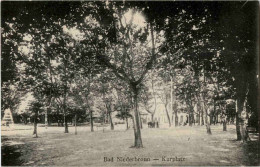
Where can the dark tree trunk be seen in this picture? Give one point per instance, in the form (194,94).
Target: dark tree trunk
(207,123)
(240,125)
(75,122)
(243,131)
(238,115)
(66,124)
(176,118)
(91,121)
(238,128)
(202,118)
(46,118)
(224,125)
(214,112)
(141,123)
(190,120)
(205,110)
(193,119)
(127,127)
(168,117)
(58,116)
(50,119)
(65,110)
(35,124)
(208,129)
(199,117)
(111,121)
(137,130)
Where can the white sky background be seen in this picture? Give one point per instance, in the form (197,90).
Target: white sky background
(138,19)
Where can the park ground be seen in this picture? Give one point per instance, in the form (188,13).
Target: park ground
(191,146)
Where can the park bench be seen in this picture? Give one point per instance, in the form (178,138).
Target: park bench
(250,129)
(153,124)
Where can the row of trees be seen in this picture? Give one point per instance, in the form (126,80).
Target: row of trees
(123,54)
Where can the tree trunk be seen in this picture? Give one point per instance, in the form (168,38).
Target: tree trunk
(168,117)
(46,118)
(207,122)
(199,117)
(35,124)
(176,118)
(50,118)
(237,120)
(224,125)
(104,123)
(152,115)
(66,125)
(75,124)
(141,123)
(208,127)
(243,121)
(64,110)
(111,122)
(91,122)
(58,116)
(127,127)
(214,112)
(238,128)
(190,120)
(137,130)
(205,110)
(202,118)
(171,110)
(193,119)
(241,111)
(140,119)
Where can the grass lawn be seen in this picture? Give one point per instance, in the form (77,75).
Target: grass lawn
(162,147)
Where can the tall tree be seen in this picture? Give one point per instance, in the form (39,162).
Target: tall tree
(36,107)
(120,55)
(238,52)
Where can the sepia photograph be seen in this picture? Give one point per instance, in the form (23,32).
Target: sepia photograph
(130,83)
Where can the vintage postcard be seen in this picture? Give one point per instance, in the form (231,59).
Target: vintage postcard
(129,83)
